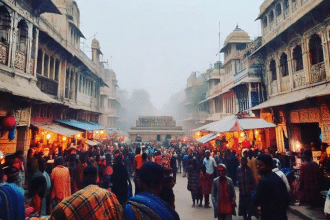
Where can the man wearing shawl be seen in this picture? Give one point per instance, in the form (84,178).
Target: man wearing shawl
(147,205)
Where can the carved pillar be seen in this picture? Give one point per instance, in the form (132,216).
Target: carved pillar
(36,37)
(29,47)
(306,60)
(324,38)
(42,63)
(249,95)
(278,75)
(13,39)
(268,78)
(290,67)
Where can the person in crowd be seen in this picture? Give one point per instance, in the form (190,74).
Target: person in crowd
(144,158)
(324,155)
(147,204)
(223,195)
(159,158)
(209,163)
(185,164)
(173,165)
(120,180)
(107,172)
(179,158)
(193,183)
(37,193)
(252,163)
(276,166)
(206,182)
(166,193)
(271,194)
(78,173)
(246,186)
(85,204)
(138,162)
(233,164)
(310,181)
(11,200)
(45,201)
(60,177)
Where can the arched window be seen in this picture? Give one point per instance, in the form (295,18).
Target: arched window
(315,49)
(278,9)
(284,65)
(271,16)
(265,22)
(4,24)
(297,57)
(286,4)
(272,68)
(22,36)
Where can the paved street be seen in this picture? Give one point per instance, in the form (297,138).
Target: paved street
(183,204)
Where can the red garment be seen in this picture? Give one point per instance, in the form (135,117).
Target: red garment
(159,159)
(206,183)
(225,203)
(310,180)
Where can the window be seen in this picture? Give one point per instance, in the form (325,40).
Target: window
(51,69)
(271,16)
(297,57)
(272,68)
(284,65)
(315,49)
(22,37)
(39,62)
(57,69)
(46,66)
(286,4)
(265,22)
(278,9)
(4,25)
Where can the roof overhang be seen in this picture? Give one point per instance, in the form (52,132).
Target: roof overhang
(44,6)
(77,29)
(57,128)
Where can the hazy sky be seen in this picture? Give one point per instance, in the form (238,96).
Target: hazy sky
(155,45)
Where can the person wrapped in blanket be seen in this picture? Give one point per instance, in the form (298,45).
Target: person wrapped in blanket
(148,204)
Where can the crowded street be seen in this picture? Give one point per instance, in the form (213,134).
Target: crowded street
(164,110)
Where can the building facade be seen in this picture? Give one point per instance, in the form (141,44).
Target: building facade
(44,75)
(295,48)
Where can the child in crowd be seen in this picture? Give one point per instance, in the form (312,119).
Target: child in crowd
(206,183)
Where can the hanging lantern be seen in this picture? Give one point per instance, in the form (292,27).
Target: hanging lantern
(9,122)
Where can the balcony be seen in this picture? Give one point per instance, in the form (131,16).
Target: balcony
(3,53)
(318,73)
(285,84)
(48,86)
(299,79)
(20,60)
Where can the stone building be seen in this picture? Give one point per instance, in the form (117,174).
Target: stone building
(46,81)
(155,128)
(295,48)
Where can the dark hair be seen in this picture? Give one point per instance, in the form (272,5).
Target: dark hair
(244,159)
(58,161)
(152,174)
(308,153)
(137,150)
(89,176)
(144,156)
(266,158)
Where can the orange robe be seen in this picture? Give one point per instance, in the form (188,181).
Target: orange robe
(61,183)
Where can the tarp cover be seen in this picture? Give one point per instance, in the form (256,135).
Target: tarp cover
(58,129)
(232,123)
(83,125)
(207,138)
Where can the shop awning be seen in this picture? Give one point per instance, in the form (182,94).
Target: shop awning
(232,124)
(83,125)
(295,96)
(202,128)
(58,129)
(24,88)
(207,138)
(92,143)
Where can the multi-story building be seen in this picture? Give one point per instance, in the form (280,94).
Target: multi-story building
(46,81)
(295,48)
(194,114)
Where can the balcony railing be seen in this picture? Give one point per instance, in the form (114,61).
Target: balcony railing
(299,79)
(20,60)
(3,53)
(318,73)
(285,83)
(47,85)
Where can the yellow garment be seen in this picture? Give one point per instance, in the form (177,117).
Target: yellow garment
(252,163)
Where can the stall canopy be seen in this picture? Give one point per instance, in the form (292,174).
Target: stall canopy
(58,129)
(232,124)
(204,127)
(92,143)
(207,138)
(83,125)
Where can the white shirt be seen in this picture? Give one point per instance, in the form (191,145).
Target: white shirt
(283,177)
(209,164)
